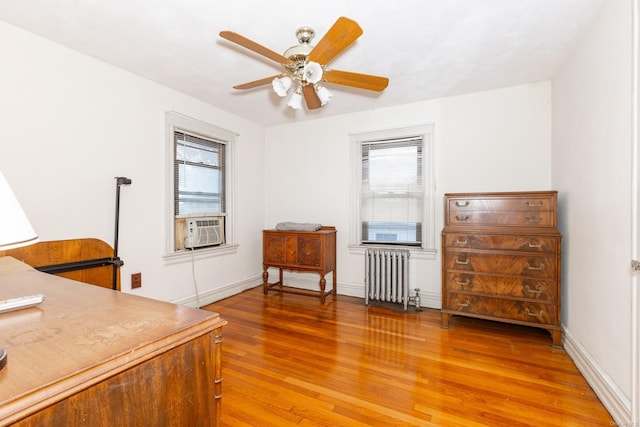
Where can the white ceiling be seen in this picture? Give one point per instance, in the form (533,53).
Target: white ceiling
(428,48)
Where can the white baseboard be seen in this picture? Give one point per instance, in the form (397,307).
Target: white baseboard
(214,295)
(304,281)
(618,405)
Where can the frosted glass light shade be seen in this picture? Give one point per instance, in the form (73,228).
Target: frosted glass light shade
(313,72)
(295,101)
(323,94)
(281,85)
(15,228)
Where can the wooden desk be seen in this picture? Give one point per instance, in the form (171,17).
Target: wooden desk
(302,251)
(97,357)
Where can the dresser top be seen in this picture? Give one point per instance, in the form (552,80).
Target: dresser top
(504,194)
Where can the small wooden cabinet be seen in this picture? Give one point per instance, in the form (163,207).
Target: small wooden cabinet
(302,251)
(501,259)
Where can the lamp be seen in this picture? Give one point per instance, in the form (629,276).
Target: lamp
(301,72)
(15,230)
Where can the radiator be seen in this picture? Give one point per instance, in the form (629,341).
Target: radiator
(386,277)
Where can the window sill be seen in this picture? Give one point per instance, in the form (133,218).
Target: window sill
(419,253)
(188,255)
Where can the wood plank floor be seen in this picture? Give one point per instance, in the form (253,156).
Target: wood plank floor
(290,361)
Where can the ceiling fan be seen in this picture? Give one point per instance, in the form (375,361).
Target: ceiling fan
(305,65)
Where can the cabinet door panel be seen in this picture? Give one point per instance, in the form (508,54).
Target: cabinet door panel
(274,249)
(309,251)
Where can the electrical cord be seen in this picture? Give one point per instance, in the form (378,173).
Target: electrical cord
(193,274)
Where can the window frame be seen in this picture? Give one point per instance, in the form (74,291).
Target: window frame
(427,249)
(182,123)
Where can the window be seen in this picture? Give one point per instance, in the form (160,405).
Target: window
(393,198)
(200,203)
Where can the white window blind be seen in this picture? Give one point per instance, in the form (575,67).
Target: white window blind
(199,174)
(392,191)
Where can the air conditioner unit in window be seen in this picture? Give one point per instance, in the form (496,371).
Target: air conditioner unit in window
(204,231)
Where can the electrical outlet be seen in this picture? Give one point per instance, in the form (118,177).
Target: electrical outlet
(136,280)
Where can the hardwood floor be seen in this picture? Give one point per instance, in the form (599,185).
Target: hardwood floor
(288,361)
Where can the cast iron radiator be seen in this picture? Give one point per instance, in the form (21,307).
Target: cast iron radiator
(386,277)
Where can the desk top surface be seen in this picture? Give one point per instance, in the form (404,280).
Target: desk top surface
(80,335)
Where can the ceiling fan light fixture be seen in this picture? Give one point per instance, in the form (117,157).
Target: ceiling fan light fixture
(281,85)
(305,65)
(295,101)
(324,94)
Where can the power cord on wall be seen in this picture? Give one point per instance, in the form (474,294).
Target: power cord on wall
(193,274)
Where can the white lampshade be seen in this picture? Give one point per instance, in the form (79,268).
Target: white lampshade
(313,72)
(295,101)
(323,94)
(15,229)
(281,85)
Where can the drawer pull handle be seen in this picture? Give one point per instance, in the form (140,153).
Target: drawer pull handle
(467,282)
(462,218)
(538,268)
(531,291)
(462,262)
(462,241)
(534,204)
(532,314)
(534,243)
(462,204)
(467,303)
(534,219)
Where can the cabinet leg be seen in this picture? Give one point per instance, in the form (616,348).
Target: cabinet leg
(556,338)
(335,284)
(265,280)
(444,320)
(323,285)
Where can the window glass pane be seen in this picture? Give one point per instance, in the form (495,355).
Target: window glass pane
(392,232)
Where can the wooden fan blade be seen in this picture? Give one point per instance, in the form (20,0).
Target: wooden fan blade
(311,97)
(339,37)
(256,83)
(362,81)
(257,48)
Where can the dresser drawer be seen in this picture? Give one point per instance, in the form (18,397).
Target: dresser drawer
(533,289)
(501,242)
(524,311)
(535,210)
(502,264)
(502,218)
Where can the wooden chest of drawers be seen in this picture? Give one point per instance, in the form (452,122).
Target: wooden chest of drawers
(501,259)
(302,251)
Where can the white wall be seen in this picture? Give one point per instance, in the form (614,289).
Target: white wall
(591,168)
(70,124)
(490,141)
